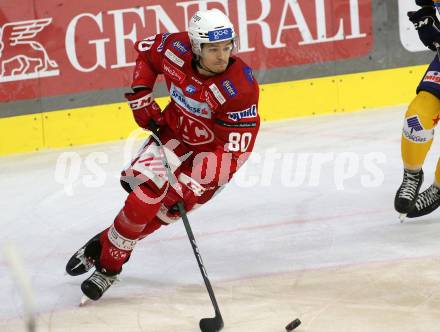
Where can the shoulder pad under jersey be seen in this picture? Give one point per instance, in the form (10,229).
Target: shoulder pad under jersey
(236,84)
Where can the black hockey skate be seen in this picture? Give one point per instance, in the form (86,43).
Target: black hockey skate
(406,196)
(98,283)
(85,258)
(427,201)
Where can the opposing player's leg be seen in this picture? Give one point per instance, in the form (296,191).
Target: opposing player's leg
(418,132)
(429,200)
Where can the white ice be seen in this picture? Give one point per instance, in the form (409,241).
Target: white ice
(320,242)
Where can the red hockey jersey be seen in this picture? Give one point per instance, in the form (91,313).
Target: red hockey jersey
(216,114)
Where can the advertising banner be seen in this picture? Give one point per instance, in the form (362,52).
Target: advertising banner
(51,48)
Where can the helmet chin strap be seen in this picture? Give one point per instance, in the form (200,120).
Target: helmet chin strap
(201,66)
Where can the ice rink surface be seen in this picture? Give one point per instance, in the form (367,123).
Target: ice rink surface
(306,230)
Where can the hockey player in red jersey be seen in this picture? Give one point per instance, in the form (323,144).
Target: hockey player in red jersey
(207,132)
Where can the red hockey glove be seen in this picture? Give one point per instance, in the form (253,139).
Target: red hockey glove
(145,108)
(186,195)
(189,192)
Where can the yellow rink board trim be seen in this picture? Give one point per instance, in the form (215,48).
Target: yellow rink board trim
(21,134)
(278,101)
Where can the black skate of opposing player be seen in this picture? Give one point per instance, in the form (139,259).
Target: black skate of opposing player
(406,195)
(82,261)
(427,201)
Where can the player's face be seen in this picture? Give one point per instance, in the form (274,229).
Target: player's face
(216,56)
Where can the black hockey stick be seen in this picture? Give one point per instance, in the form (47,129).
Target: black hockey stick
(206,324)
(214,324)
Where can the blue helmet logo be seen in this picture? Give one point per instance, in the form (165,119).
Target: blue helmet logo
(219,35)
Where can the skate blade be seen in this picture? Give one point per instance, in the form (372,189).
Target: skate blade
(84,301)
(402,217)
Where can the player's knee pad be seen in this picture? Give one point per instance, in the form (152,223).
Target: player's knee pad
(421,118)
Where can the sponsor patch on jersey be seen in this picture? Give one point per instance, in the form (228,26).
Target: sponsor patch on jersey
(229,88)
(210,100)
(252,124)
(218,95)
(248,73)
(188,104)
(248,113)
(162,43)
(190,89)
(432,76)
(199,82)
(219,35)
(172,71)
(180,47)
(413,130)
(174,58)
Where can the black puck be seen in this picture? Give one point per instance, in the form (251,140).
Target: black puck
(293,325)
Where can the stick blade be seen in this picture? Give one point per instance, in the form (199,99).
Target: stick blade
(211,324)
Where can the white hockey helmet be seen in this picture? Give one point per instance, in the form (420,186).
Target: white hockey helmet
(209,26)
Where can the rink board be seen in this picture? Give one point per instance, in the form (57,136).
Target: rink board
(278,101)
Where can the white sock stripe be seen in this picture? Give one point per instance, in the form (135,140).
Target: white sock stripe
(119,241)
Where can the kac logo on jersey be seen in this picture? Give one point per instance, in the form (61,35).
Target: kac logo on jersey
(162,43)
(180,47)
(248,113)
(221,34)
(190,89)
(229,88)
